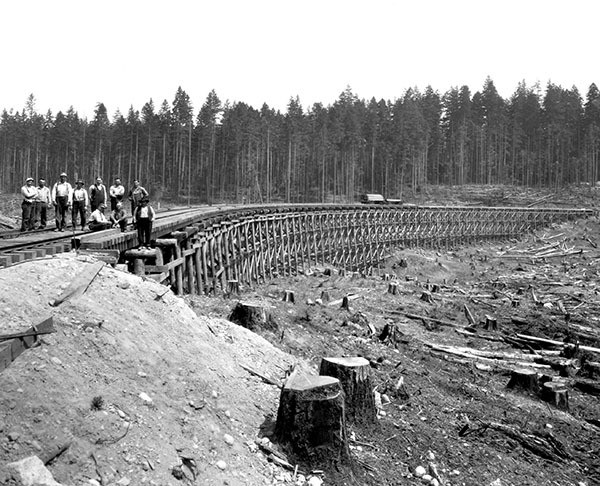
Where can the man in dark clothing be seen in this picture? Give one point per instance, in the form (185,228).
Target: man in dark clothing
(97,194)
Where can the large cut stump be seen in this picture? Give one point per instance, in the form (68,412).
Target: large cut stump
(311,419)
(252,316)
(355,376)
(524,379)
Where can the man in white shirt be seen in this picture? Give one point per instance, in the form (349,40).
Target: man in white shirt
(116,192)
(80,202)
(29,193)
(61,196)
(42,203)
(98,221)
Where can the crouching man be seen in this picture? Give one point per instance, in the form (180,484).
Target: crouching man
(118,218)
(98,221)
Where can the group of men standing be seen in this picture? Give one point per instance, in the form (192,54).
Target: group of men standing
(37,200)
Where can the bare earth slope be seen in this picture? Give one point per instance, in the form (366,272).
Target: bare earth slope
(161,348)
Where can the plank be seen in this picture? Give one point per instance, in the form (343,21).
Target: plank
(80,284)
(11,349)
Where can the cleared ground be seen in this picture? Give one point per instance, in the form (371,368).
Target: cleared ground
(119,341)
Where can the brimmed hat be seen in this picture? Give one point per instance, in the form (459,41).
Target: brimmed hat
(79,182)
(29,179)
(64,174)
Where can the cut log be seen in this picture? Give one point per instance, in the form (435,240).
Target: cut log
(590,369)
(469,315)
(311,419)
(555,392)
(392,288)
(524,379)
(553,343)
(590,387)
(354,374)
(252,316)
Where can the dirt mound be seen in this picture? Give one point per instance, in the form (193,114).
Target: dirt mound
(132,381)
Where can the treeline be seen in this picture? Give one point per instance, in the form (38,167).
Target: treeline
(234,152)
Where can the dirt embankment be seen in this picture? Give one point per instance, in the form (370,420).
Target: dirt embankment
(168,384)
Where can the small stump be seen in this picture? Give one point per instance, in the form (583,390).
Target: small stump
(427,297)
(390,334)
(288,296)
(355,377)
(345,303)
(491,324)
(233,287)
(392,288)
(556,393)
(524,379)
(325,296)
(311,419)
(252,316)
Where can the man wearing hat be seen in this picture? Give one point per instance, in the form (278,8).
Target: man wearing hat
(29,193)
(42,203)
(98,221)
(61,195)
(80,201)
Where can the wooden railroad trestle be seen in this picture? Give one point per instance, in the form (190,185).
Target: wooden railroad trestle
(208,252)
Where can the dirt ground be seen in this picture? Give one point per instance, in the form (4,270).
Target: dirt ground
(156,390)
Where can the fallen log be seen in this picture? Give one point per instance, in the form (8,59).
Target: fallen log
(547,447)
(552,342)
(432,319)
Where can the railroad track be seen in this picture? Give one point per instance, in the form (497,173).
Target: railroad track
(17,246)
(281,229)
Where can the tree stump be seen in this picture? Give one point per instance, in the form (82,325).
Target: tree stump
(252,316)
(325,296)
(524,379)
(393,288)
(491,324)
(288,296)
(311,419)
(427,297)
(342,272)
(345,303)
(355,377)
(387,277)
(390,334)
(556,393)
(233,287)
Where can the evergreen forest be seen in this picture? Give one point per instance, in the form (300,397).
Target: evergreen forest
(233,152)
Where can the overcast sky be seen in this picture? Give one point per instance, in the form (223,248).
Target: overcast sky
(122,53)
